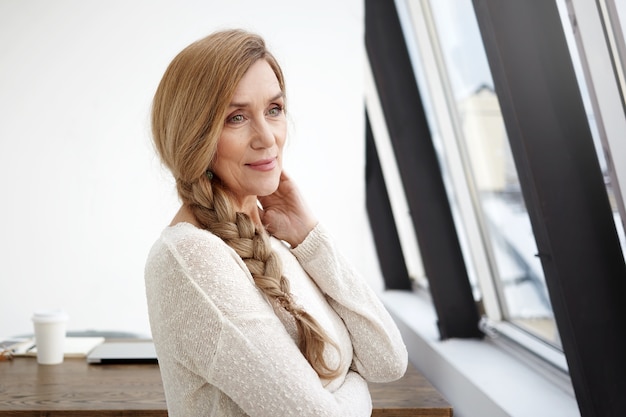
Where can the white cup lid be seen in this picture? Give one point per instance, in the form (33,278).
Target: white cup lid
(49,316)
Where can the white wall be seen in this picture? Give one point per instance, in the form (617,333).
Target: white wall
(83,194)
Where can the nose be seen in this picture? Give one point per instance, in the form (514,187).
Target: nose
(263,134)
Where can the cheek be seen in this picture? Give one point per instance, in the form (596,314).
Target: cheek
(228,149)
(222,146)
(281,137)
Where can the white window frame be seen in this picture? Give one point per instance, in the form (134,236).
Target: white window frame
(417,24)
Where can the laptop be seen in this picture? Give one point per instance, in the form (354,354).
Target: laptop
(123,352)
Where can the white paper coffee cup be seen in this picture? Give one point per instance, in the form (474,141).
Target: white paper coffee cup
(50,328)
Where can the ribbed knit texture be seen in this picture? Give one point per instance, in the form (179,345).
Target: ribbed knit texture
(224,350)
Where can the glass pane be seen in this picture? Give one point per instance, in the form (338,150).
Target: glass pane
(520,277)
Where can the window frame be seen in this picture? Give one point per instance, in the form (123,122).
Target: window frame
(602,68)
(420,172)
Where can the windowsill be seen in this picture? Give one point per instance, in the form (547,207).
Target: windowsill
(478,377)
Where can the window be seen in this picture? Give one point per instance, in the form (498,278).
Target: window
(528,140)
(505,226)
(533,167)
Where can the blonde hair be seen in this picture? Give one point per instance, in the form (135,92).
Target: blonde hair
(187,119)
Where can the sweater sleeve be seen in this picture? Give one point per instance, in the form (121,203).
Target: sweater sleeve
(212,325)
(379,352)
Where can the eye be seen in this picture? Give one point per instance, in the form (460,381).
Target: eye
(237,118)
(275,111)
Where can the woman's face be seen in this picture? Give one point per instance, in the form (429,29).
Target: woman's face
(249,151)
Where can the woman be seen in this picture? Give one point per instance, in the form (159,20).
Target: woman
(253,312)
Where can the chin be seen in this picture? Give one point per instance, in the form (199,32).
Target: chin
(268,192)
(268,188)
(266,184)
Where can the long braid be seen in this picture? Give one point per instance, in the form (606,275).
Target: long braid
(212,208)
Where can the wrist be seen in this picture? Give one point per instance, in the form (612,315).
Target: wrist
(305,230)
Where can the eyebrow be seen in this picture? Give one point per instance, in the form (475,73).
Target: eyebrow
(276,97)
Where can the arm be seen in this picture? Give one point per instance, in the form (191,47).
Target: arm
(221,328)
(379,352)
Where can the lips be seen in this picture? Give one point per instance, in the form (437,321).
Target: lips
(263,164)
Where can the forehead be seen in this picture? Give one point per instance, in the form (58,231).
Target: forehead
(259,80)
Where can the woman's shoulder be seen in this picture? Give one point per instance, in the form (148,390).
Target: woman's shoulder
(196,255)
(184,234)
(185,241)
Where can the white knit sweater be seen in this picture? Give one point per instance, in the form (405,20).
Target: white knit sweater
(225,351)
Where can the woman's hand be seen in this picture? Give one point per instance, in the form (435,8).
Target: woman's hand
(285,214)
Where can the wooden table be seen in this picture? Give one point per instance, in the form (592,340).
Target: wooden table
(75,388)
(412,395)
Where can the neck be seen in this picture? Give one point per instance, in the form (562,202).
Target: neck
(251,208)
